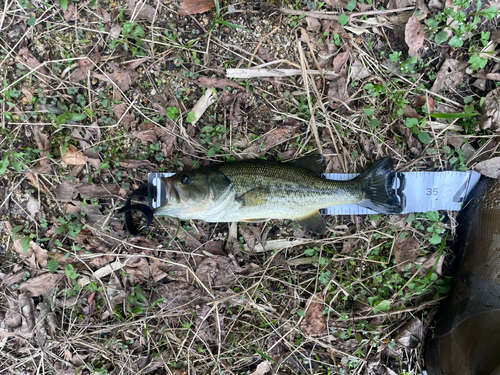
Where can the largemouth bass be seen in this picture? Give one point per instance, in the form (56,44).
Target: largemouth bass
(258,190)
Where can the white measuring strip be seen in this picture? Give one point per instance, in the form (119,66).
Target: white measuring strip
(422,191)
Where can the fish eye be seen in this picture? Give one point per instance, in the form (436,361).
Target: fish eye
(185,179)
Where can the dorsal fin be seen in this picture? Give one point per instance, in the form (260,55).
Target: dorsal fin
(313,163)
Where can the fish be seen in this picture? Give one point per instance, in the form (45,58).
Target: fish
(258,190)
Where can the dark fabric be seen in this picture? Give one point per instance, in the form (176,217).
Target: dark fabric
(145,193)
(466,339)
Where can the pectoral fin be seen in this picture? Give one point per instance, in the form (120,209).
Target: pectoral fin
(314,223)
(254,197)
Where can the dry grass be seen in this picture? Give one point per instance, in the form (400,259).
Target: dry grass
(96,97)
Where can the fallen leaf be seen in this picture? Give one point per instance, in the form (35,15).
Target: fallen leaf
(126,118)
(71,14)
(414,36)
(265,55)
(269,140)
(313,24)
(450,75)
(262,368)
(491,117)
(489,168)
(40,285)
(134,163)
(140,10)
(405,252)
(148,136)
(90,191)
(189,7)
(33,63)
(84,67)
(123,76)
(218,83)
(315,321)
(411,334)
(219,271)
(73,156)
(234,102)
(427,101)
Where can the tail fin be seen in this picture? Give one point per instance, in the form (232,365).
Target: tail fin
(377,182)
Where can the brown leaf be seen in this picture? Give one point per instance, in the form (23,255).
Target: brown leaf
(90,191)
(427,101)
(127,118)
(315,321)
(219,271)
(491,117)
(84,66)
(313,24)
(123,76)
(141,10)
(414,36)
(271,139)
(411,334)
(265,55)
(218,83)
(489,168)
(409,111)
(189,7)
(339,62)
(71,14)
(405,252)
(32,62)
(66,191)
(103,14)
(450,75)
(131,163)
(40,285)
(337,91)
(73,156)
(148,136)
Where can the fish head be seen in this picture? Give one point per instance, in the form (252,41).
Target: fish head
(190,195)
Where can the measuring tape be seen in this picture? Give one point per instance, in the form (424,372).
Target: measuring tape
(418,191)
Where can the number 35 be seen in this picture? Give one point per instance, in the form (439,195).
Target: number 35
(431,191)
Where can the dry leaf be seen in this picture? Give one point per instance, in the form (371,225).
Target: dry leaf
(33,63)
(489,168)
(450,75)
(84,66)
(427,101)
(271,139)
(40,285)
(189,7)
(405,252)
(123,76)
(491,117)
(262,368)
(218,83)
(140,10)
(73,156)
(411,334)
(71,14)
(414,36)
(313,24)
(315,321)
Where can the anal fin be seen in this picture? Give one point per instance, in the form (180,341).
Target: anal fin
(314,223)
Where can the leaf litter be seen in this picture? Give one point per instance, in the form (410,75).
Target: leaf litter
(200,285)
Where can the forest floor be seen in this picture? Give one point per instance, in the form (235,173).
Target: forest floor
(96,94)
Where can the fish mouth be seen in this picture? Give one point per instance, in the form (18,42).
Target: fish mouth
(173,193)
